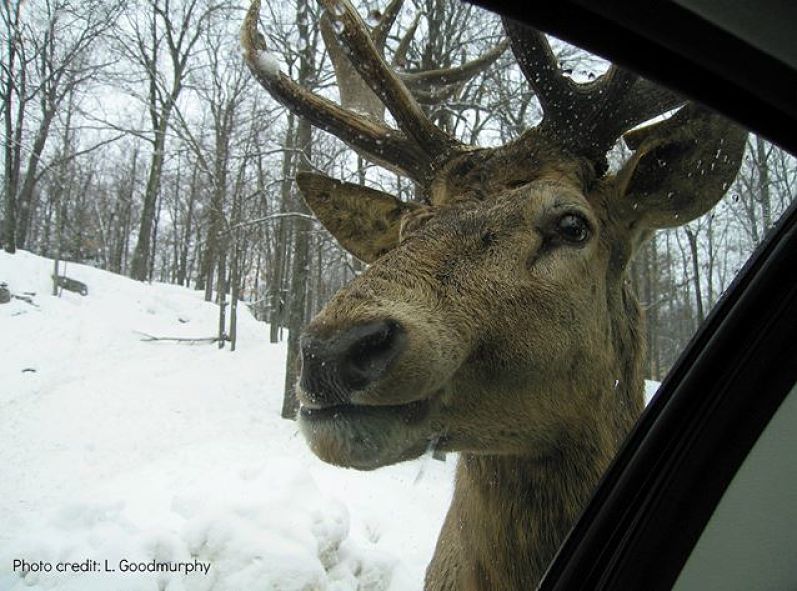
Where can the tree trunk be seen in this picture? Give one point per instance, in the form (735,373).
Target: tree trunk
(154,244)
(762,162)
(275,288)
(300,276)
(222,297)
(13,127)
(652,313)
(9,234)
(124,206)
(139,267)
(301,228)
(25,197)
(212,250)
(235,293)
(182,277)
(692,236)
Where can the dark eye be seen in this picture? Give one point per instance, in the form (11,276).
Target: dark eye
(573,228)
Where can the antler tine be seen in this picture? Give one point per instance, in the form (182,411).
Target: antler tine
(382,28)
(585,119)
(368,62)
(538,64)
(387,146)
(615,103)
(446,76)
(400,55)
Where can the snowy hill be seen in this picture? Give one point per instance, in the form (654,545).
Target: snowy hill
(112,448)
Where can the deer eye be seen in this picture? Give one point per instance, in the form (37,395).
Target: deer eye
(573,228)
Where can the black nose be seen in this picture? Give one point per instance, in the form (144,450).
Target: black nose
(334,366)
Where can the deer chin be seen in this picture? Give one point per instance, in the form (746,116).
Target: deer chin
(367,436)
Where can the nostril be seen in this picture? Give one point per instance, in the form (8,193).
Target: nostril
(373,347)
(335,366)
(319,379)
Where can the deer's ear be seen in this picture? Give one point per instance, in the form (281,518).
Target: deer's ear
(681,167)
(365,221)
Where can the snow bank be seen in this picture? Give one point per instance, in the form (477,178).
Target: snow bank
(114,449)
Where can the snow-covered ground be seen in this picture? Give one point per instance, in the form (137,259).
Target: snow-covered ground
(115,449)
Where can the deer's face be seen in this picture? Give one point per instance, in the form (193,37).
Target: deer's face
(499,324)
(476,331)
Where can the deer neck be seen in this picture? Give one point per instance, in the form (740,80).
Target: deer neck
(514,512)
(510,513)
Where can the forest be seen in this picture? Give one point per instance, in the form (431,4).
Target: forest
(136,140)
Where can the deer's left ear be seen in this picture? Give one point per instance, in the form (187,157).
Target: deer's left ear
(365,221)
(681,167)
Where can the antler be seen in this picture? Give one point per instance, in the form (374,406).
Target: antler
(585,119)
(455,75)
(580,123)
(367,86)
(381,79)
(384,144)
(427,87)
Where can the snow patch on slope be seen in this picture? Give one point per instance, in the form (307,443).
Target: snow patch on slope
(113,448)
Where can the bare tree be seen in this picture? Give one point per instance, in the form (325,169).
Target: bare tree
(15,96)
(47,56)
(161,44)
(303,142)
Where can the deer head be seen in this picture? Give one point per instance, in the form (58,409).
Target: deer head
(494,318)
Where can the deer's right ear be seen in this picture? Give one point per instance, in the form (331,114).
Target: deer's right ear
(365,221)
(682,166)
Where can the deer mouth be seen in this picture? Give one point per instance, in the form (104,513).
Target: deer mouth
(366,436)
(410,412)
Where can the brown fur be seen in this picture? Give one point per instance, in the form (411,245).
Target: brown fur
(524,350)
